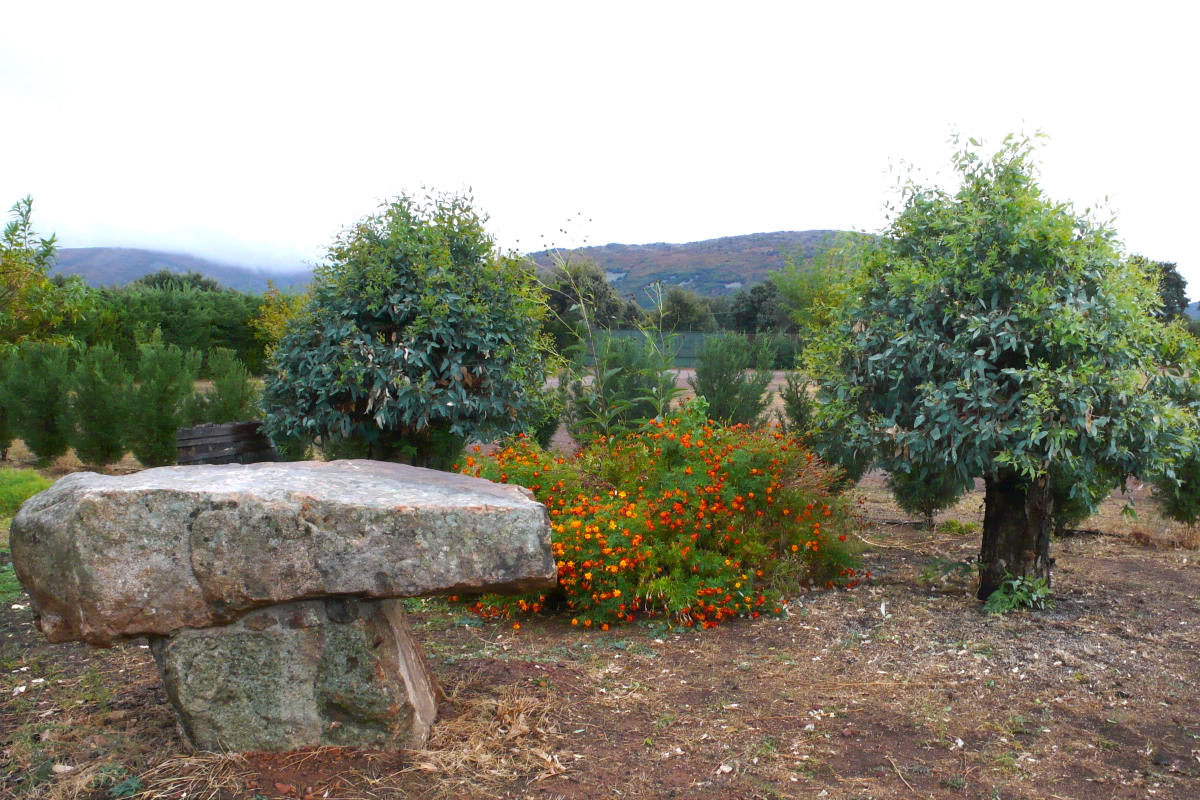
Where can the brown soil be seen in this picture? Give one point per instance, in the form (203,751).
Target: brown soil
(901,688)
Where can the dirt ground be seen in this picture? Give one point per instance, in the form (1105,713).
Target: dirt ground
(901,688)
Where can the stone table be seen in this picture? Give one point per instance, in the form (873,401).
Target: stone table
(268,591)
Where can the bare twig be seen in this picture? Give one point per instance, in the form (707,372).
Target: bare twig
(900,776)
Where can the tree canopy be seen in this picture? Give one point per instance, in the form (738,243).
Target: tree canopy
(1172,287)
(995,333)
(683,310)
(166,279)
(419,331)
(581,301)
(31,305)
(813,290)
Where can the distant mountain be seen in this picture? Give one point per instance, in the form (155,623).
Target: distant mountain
(1193,310)
(116,266)
(713,267)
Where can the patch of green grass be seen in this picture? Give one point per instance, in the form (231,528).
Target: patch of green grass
(10,590)
(957,528)
(92,688)
(17,486)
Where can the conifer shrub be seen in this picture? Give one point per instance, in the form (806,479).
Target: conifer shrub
(733,373)
(7,415)
(797,417)
(37,387)
(99,406)
(925,495)
(159,401)
(681,519)
(233,396)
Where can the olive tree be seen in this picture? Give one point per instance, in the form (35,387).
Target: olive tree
(995,333)
(419,333)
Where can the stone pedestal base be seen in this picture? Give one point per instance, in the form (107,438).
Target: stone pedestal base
(338,672)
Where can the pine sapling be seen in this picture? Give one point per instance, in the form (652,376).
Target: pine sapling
(733,373)
(165,376)
(38,386)
(100,406)
(7,415)
(233,397)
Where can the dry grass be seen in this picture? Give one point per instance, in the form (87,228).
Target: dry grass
(203,776)
(494,738)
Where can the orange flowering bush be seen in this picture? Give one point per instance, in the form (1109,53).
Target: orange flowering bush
(684,519)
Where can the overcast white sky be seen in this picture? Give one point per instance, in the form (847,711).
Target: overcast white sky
(252,132)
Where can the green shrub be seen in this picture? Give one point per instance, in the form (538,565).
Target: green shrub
(10,587)
(797,417)
(37,388)
(191,314)
(681,519)
(432,448)
(786,350)
(925,495)
(293,448)
(1018,592)
(1179,498)
(233,397)
(17,486)
(733,373)
(158,403)
(8,430)
(631,382)
(419,332)
(99,406)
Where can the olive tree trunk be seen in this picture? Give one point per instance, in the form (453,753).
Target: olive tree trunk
(1018,519)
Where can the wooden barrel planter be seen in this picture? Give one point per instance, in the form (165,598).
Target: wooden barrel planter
(232,443)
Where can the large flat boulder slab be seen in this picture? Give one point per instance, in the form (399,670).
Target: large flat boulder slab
(107,558)
(316,672)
